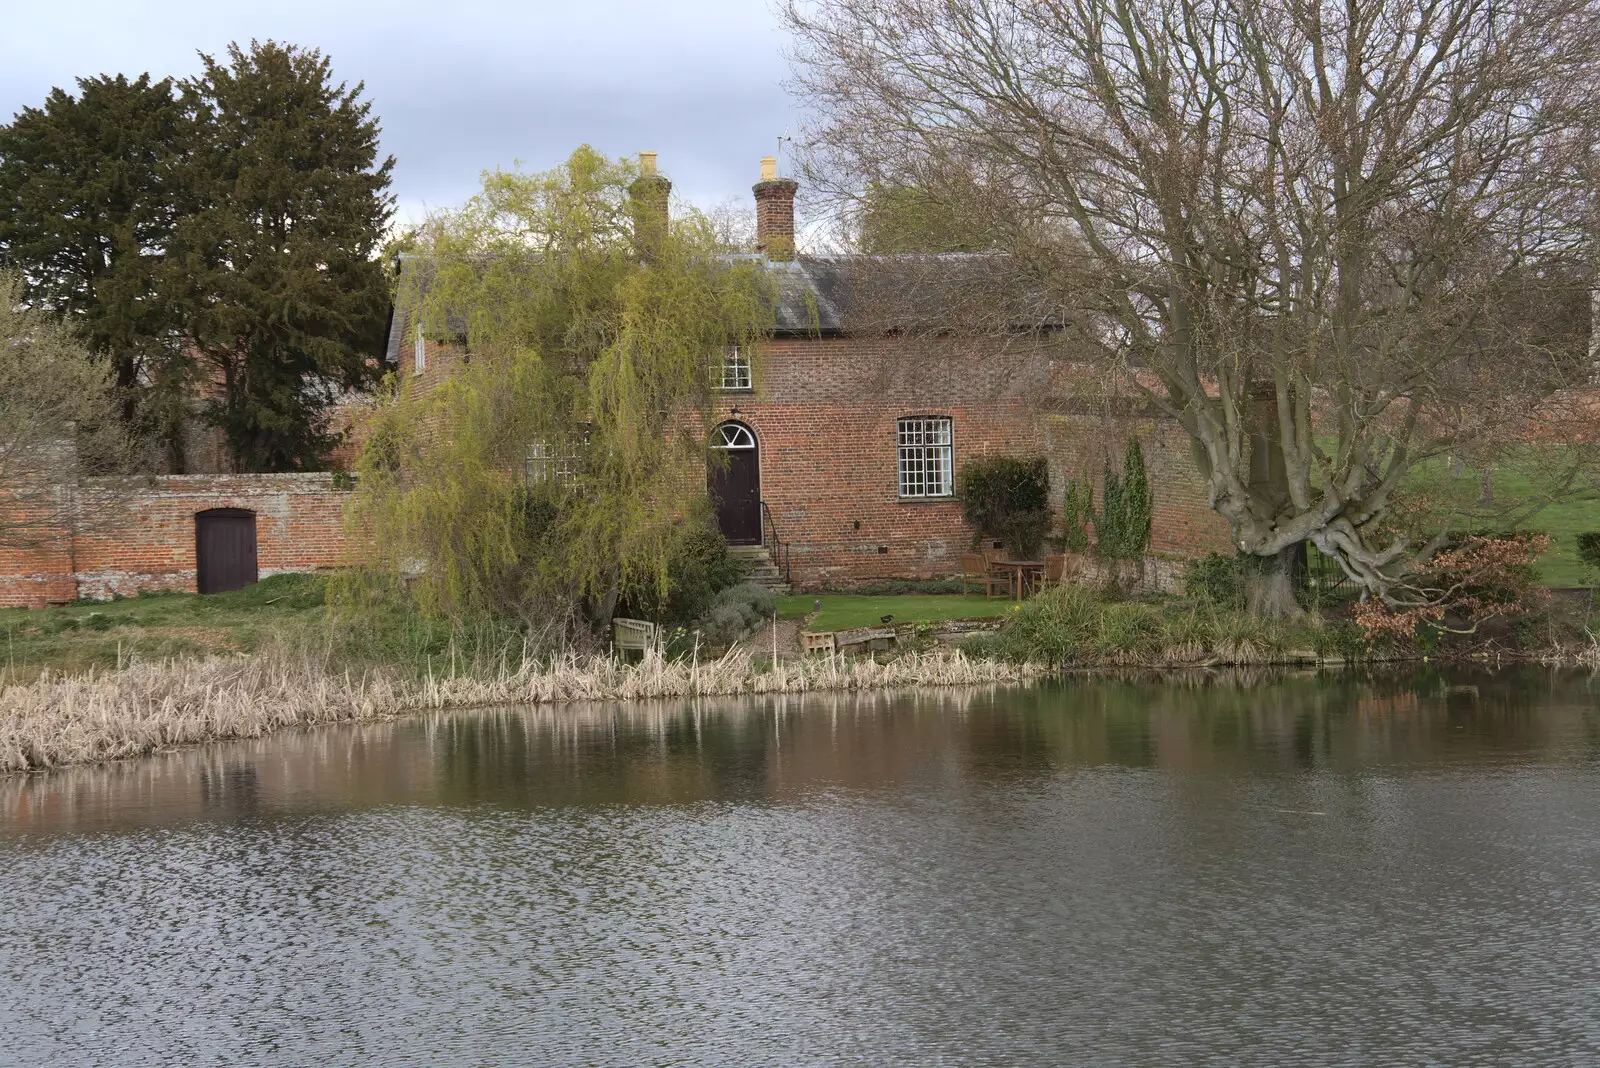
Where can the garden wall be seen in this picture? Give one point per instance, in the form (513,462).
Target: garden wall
(148,541)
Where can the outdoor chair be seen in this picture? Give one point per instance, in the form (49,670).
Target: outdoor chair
(975,572)
(633,635)
(1062,567)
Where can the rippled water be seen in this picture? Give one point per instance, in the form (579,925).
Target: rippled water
(1271,870)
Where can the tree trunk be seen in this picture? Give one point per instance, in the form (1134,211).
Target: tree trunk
(1272,592)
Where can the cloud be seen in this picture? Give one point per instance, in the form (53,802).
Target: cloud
(472,84)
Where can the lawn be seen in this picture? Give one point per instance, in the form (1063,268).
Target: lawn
(846,611)
(155,626)
(1563,521)
(1517,488)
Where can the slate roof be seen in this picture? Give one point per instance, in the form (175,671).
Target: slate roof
(830,295)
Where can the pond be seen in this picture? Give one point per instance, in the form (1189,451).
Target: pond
(1265,869)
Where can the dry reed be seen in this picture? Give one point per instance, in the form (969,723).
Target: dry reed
(60,719)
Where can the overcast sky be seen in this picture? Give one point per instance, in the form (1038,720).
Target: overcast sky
(465,85)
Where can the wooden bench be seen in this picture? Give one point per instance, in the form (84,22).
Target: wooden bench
(633,635)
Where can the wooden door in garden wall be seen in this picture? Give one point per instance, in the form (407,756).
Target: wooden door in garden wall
(735,486)
(224,549)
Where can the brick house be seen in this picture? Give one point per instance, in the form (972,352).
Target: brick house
(843,436)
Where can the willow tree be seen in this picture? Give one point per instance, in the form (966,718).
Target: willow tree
(1309,231)
(563,465)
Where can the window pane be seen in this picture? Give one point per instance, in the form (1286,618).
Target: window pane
(924,457)
(735,369)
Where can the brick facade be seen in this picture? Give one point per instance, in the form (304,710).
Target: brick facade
(825,412)
(299,527)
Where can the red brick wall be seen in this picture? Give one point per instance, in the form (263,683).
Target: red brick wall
(825,410)
(299,527)
(1182,521)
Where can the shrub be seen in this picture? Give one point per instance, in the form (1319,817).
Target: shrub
(1077,511)
(698,569)
(736,611)
(1007,498)
(1122,529)
(1056,626)
(1589,548)
(898,587)
(1216,580)
(1458,590)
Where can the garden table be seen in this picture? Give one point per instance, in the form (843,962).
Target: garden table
(1020,571)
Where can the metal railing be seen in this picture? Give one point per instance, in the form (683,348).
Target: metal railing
(1325,578)
(775,545)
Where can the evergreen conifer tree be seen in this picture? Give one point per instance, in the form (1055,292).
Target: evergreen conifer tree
(87,187)
(1136,501)
(284,301)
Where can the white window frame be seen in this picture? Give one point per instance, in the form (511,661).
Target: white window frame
(419,352)
(553,464)
(925,449)
(735,437)
(733,376)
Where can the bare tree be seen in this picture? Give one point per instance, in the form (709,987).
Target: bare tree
(1308,230)
(59,420)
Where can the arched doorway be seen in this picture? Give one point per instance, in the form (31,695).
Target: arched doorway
(224,549)
(735,486)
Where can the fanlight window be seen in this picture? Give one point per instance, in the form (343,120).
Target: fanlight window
(733,436)
(735,371)
(925,469)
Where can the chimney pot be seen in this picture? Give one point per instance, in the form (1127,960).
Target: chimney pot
(775,212)
(650,193)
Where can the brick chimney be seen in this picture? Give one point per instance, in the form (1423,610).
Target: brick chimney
(775,212)
(649,193)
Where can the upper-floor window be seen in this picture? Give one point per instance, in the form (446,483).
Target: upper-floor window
(557,465)
(735,371)
(419,353)
(925,467)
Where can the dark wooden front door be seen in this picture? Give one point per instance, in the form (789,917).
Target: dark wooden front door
(735,486)
(224,549)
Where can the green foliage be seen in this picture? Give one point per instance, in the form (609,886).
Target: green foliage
(1122,529)
(1077,512)
(218,231)
(1588,544)
(90,190)
(1055,627)
(1072,624)
(699,569)
(1216,580)
(737,611)
(584,344)
(282,292)
(1007,498)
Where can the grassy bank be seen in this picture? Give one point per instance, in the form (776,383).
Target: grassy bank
(55,720)
(286,610)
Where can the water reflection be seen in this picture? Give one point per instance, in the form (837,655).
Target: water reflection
(780,747)
(1264,869)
